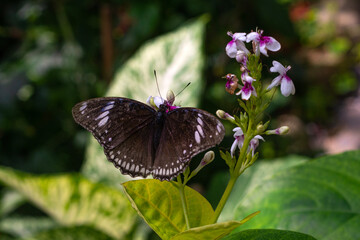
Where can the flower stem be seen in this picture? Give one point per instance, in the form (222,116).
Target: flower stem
(181,187)
(236,173)
(224,197)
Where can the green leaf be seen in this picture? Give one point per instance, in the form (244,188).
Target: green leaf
(160,205)
(26,226)
(268,234)
(320,197)
(10,200)
(259,172)
(212,231)
(71,199)
(71,233)
(178,59)
(208,232)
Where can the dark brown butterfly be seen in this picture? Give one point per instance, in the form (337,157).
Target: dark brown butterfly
(142,141)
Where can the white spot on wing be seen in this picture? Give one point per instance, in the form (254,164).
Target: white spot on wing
(102,115)
(219,128)
(132,168)
(200,130)
(103,121)
(108,107)
(200,121)
(83,107)
(197,137)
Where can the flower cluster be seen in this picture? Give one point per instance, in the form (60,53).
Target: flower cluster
(261,44)
(250,87)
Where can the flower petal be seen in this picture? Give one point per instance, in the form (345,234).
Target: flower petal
(287,86)
(273,45)
(278,67)
(275,82)
(253,36)
(233,147)
(231,49)
(245,95)
(239,36)
(259,137)
(262,49)
(158,101)
(238,132)
(246,77)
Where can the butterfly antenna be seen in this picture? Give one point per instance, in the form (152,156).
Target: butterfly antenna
(157,83)
(183,89)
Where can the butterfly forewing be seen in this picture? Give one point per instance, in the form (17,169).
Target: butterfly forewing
(123,127)
(111,120)
(187,132)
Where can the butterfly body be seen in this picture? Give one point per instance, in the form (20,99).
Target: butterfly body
(142,141)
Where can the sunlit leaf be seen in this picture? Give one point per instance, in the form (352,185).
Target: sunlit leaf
(268,234)
(178,59)
(319,197)
(9,201)
(208,232)
(212,231)
(160,205)
(71,233)
(73,200)
(259,172)
(26,226)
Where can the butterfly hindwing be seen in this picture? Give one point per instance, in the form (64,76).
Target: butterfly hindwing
(133,156)
(187,132)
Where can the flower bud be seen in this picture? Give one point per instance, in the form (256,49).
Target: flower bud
(260,128)
(279,131)
(224,115)
(220,114)
(208,158)
(170,97)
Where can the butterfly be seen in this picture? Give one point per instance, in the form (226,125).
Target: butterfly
(141,141)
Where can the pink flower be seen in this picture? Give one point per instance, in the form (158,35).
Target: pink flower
(155,103)
(247,89)
(236,47)
(287,85)
(254,143)
(239,140)
(262,43)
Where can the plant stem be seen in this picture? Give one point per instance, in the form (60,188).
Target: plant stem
(224,197)
(183,202)
(236,173)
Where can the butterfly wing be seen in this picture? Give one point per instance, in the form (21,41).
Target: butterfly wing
(123,127)
(187,132)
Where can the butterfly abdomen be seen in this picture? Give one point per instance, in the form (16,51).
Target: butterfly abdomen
(158,128)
